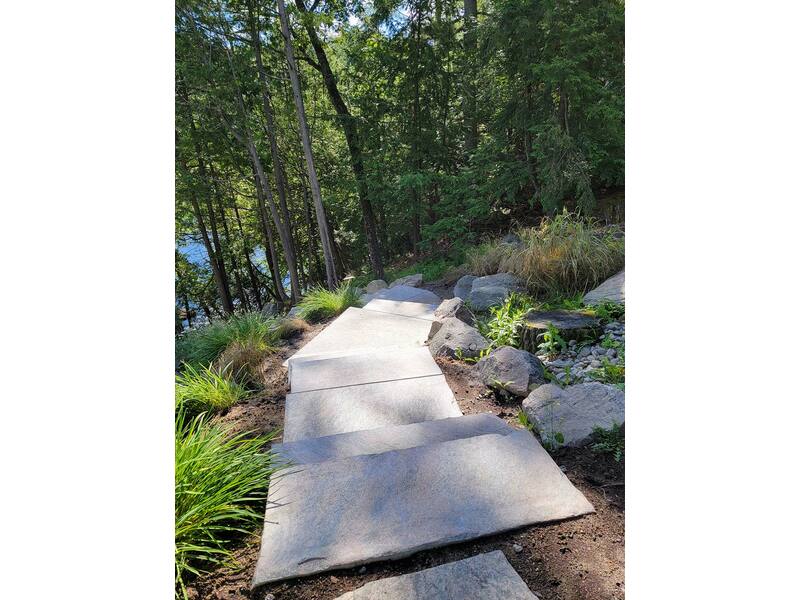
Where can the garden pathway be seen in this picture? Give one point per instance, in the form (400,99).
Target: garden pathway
(383,462)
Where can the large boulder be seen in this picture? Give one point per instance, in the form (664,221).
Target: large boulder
(409,280)
(611,290)
(375,285)
(464,287)
(511,370)
(493,289)
(454,335)
(270,309)
(454,307)
(574,411)
(293,313)
(403,293)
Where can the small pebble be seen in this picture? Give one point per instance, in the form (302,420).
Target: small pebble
(362,570)
(269,597)
(517,548)
(334,579)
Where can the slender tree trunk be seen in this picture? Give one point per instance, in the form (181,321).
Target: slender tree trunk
(272,258)
(325,235)
(281,185)
(470,49)
(228,242)
(246,250)
(312,240)
(222,290)
(353,139)
(188,310)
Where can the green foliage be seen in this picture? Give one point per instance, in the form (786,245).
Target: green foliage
(610,441)
(562,257)
(205,389)
(502,327)
(552,342)
(221,483)
(472,359)
(320,303)
(607,311)
(609,373)
(204,345)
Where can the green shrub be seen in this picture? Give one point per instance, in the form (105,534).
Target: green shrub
(502,328)
(204,345)
(321,303)
(205,389)
(610,441)
(563,256)
(221,483)
(609,373)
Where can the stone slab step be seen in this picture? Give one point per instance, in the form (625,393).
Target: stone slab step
(386,439)
(483,577)
(340,410)
(404,293)
(404,308)
(343,513)
(357,330)
(319,373)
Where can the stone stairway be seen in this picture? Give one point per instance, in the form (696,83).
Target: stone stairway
(383,463)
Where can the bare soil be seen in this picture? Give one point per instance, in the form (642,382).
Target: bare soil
(578,559)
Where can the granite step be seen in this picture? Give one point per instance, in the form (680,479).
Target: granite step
(417,310)
(337,410)
(321,372)
(361,509)
(386,439)
(486,576)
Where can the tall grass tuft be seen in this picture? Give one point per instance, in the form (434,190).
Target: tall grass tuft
(321,304)
(205,389)
(204,345)
(221,484)
(563,256)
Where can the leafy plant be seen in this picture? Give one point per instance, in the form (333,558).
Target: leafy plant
(608,311)
(472,359)
(609,373)
(320,303)
(221,483)
(610,441)
(502,328)
(205,389)
(563,256)
(552,342)
(204,345)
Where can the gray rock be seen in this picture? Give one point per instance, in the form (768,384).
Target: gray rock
(376,285)
(584,352)
(404,309)
(517,548)
(611,290)
(454,307)
(323,516)
(352,408)
(270,309)
(384,439)
(454,334)
(485,576)
(573,411)
(516,370)
(512,239)
(294,312)
(358,330)
(493,289)
(409,280)
(323,372)
(404,293)
(464,287)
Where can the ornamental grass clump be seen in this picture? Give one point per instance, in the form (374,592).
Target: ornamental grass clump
(563,256)
(221,483)
(320,303)
(207,389)
(204,345)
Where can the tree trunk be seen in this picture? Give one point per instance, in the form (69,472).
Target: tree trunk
(247,250)
(470,49)
(228,243)
(272,258)
(353,140)
(316,193)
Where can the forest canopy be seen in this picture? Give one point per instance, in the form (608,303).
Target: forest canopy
(319,138)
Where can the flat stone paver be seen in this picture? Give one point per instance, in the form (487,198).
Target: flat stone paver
(347,512)
(357,329)
(404,293)
(403,308)
(483,577)
(320,372)
(385,439)
(353,408)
